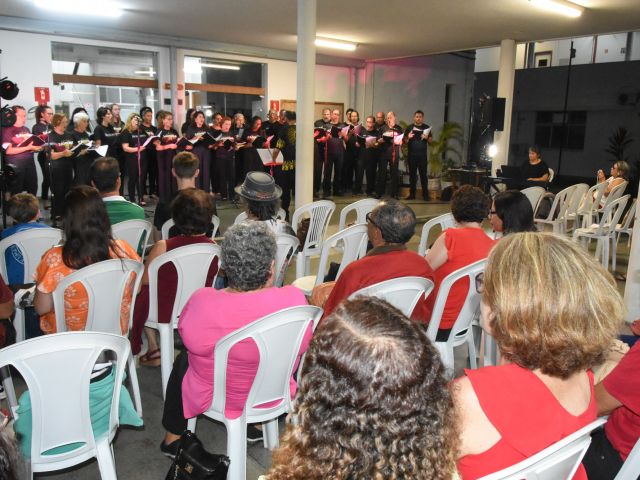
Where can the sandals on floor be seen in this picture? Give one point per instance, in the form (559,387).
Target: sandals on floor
(151,359)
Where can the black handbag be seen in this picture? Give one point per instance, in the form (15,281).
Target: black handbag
(193,462)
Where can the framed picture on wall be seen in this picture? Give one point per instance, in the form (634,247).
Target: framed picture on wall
(543,59)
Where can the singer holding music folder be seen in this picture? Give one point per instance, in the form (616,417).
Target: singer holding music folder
(389,155)
(417,137)
(197,132)
(82,159)
(44,113)
(61,174)
(132,139)
(21,157)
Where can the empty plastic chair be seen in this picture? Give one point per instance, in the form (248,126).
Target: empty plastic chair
(361,207)
(445,221)
(533,194)
(577,199)
(192,266)
(166,226)
(319,214)
(559,207)
(278,338)
(404,293)
(353,245)
(135,233)
(57,370)
(588,210)
(461,332)
(557,462)
(286,246)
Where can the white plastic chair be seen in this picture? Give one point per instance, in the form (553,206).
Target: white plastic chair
(558,210)
(533,194)
(134,232)
(278,337)
(614,195)
(462,331)
(166,226)
(192,266)
(320,214)
(445,221)
(286,246)
(630,469)
(57,370)
(552,175)
(353,245)
(105,284)
(32,243)
(361,207)
(242,216)
(590,204)
(626,227)
(605,231)
(403,292)
(556,462)
(577,199)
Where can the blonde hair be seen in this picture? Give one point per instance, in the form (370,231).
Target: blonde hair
(623,169)
(130,118)
(556,309)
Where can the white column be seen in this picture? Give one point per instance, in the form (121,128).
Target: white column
(632,286)
(305,98)
(178,99)
(506,77)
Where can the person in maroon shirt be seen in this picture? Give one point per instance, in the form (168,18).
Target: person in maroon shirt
(390,226)
(20,158)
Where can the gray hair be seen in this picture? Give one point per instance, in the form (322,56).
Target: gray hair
(248,250)
(396,221)
(78,117)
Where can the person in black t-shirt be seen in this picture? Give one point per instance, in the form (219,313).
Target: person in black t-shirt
(224,161)
(253,138)
(238,128)
(150,152)
(81,158)
(62,166)
(369,153)
(118,125)
(104,133)
(320,149)
(535,171)
(418,144)
(166,148)
(272,126)
(132,140)
(188,121)
(44,113)
(201,149)
(285,174)
(352,168)
(335,157)
(389,156)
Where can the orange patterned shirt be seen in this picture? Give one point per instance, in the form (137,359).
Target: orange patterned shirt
(52,269)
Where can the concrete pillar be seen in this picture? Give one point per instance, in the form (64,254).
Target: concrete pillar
(506,77)
(632,286)
(178,100)
(305,98)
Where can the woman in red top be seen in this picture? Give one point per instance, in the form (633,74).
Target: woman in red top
(456,248)
(553,311)
(191,211)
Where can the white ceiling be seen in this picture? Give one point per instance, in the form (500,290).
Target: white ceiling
(382,29)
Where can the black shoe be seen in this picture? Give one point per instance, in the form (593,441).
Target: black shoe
(253,434)
(170,450)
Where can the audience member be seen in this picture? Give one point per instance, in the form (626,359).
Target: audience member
(619,173)
(618,396)
(373,402)
(456,248)
(248,254)
(511,212)
(88,240)
(553,312)
(260,195)
(105,177)
(191,211)
(390,227)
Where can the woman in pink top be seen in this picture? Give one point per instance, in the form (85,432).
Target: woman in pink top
(553,312)
(248,256)
(456,248)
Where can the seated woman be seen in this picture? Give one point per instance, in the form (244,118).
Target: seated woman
(261,196)
(191,211)
(619,173)
(248,255)
(456,248)
(373,402)
(88,240)
(511,212)
(553,312)
(535,170)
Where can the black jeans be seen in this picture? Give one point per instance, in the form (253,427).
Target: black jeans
(137,175)
(173,419)
(285,180)
(418,165)
(335,157)
(61,181)
(25,178)
(601,461)
(42,160)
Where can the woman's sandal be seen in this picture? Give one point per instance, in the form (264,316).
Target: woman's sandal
(151,359)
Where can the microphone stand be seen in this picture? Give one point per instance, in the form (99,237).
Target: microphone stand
(50,172)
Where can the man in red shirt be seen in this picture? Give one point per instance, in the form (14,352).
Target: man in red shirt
(390,226)
(618,394)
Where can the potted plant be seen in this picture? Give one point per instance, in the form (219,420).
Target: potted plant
(619,141)
(448,141)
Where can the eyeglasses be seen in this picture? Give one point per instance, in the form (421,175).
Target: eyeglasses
(370,220)
(480,282)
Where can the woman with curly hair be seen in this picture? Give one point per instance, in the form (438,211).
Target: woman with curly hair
(373,402)
(456,248)
(553,312)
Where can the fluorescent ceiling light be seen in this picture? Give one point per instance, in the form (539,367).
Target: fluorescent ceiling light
(562,7)
(149,72)
(105,8)
(337,44)
(220,66)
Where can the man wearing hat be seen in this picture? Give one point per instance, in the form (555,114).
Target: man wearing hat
(285,174)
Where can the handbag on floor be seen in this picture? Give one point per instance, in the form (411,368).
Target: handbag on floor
(193,462)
